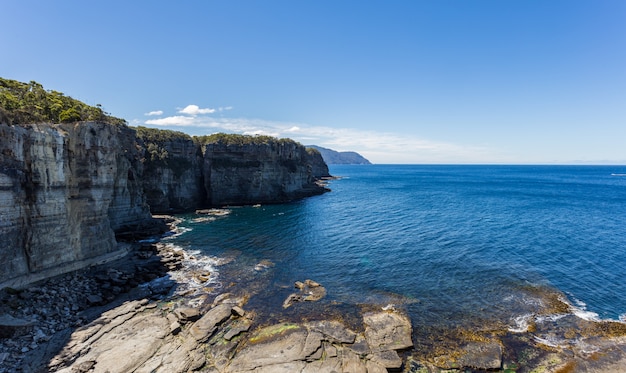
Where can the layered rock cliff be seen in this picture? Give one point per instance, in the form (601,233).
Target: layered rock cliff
(66,191)
(173,178)
(319,168)
(69,192)
(261,170)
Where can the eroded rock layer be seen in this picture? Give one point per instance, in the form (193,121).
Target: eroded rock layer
(65,191)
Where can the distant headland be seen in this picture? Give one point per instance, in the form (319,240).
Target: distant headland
(334,157)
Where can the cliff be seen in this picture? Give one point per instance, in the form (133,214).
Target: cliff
(69,192)
(173,178)
(66,191)
(319,168)
(334,157)
(261,169)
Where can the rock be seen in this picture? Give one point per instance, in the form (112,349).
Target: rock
(387,331)
(373,367)
(271,171)
(311,283)
(310,291)
(291,299)
(85,366)
(238,311)
(386,359)
(276,344)
(94,299)
(9,325)
(263,264)
(202,329)
(333,331)
(329,365)
(121,340)
(66,191)
(481,355)
(242,325)
(315,294)
(187,314)
(294,366)
(352,363)
(360,346)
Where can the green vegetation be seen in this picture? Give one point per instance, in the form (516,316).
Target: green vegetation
(234,139)
(25,103)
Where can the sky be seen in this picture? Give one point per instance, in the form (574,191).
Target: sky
(420,81)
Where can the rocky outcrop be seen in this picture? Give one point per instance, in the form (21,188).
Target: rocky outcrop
(66,191)
(140,337)
(268,171)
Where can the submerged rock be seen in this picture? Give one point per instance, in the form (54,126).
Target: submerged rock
(310,291)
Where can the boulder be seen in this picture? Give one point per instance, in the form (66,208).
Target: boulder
(202,329)
(387,331)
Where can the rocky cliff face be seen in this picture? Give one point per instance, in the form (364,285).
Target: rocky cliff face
(65,192)
(173,179)
(264,172)
(319,168)
(69,192)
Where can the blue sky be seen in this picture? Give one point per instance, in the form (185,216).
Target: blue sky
(437,81)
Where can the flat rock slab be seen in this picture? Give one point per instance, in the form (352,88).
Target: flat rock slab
(334,331)
(126,347)
(387,331)
(276,344)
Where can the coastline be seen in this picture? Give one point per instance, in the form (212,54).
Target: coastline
(181,288)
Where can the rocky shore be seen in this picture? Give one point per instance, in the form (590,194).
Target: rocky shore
(157,310)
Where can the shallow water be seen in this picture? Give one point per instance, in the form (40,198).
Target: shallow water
(457,246)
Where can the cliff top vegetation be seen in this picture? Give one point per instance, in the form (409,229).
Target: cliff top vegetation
(235,139)
(159,136)
(26,103)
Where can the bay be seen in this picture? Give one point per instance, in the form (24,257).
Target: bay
(454,245)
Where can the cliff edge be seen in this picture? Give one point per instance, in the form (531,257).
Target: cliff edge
(66,191)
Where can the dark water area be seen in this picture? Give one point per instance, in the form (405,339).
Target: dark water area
(456,246)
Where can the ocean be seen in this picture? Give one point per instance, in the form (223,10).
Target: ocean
(467,246)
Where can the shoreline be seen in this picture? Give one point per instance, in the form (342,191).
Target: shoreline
(173,289)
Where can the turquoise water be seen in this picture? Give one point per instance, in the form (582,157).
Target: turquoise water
(452,244)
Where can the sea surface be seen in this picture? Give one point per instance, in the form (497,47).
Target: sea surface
(453,245)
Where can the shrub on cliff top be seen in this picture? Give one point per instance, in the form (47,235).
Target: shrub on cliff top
(154,135)
(26,103)
(235,139)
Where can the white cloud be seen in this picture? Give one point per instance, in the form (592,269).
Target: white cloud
(225,108)
(156,112)
(293,129)
(195,110)
(177,120)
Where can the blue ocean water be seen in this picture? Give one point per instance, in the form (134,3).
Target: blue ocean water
(453,244)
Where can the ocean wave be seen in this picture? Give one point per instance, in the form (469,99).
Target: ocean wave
(522,323)
(178,231)
(579,308)
(198,273)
